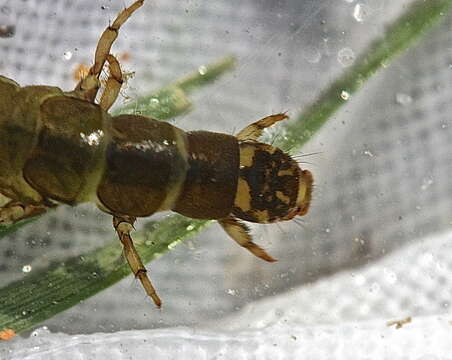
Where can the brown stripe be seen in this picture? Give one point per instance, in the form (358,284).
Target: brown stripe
(211,182)
(144,165)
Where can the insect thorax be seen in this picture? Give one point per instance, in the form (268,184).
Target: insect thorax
(42,152)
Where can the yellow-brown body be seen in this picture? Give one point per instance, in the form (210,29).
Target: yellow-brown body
(57,148)
(63,147)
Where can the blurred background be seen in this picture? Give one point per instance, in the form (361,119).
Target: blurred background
(382,166)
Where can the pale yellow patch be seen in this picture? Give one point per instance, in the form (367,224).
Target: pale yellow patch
(268,148)
(246,155)
(302,188)
(285,172)
(4,200)
(284,198)
(261,215)
(237,233)
(304,192)
(243,197)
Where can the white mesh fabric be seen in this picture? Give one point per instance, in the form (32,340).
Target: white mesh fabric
(382,177)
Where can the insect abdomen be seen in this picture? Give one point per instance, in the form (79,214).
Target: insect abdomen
(211,183)
(145,166)
(153,166)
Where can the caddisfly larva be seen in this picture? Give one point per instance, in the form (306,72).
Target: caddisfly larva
(61,147)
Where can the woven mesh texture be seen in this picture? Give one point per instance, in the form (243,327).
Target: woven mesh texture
(382,175)
(296,324)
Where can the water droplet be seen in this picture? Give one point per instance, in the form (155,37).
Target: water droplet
(361,12)
(202,70)
(327,230)
(403,99)
(190,227)
(346,57)
(426,183)
(26,268)
(154,101)
(345,95)
(374,287)
(359,280)
(67,55)
(231,292)
(426,259)
(390,276)
(364,309)
(44,330)
(312,55)
(307,133)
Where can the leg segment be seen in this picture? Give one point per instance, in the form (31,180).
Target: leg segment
(87,87)
(240,233)
(109,36)
(113,85)
(15,211)
(123,226)
(254,131)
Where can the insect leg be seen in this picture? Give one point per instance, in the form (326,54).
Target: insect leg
(113,85)
(123,226)
(109,36)
(87,88)
(15,211)
(254,130)
(241,234)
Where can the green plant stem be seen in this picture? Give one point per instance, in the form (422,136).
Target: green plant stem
(172,100)
(47,292)
(419,17)
(44,293)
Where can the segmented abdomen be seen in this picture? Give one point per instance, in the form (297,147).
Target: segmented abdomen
(57,147)
(153,166)
(145,166)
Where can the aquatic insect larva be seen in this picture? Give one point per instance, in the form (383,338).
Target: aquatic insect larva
(61,147)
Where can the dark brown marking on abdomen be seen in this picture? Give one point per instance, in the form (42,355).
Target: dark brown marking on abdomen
(272,194)
(211,182)
(143,166)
